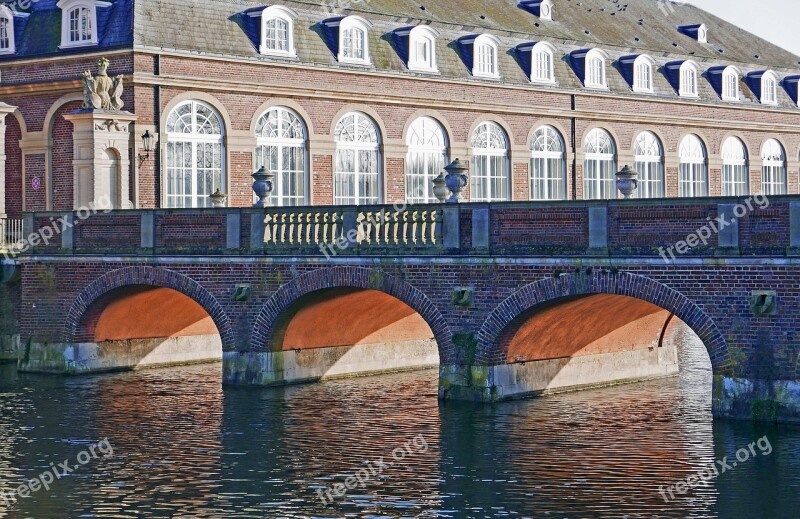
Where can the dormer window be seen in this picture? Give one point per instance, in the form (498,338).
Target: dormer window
(78,23)
(769,88)
(541,8)
(643,74)
(730,84)
(702,34)
(422,49)
(595,74)
(688,80)
(277,31)
(7,45)
(354,41)
(485,62)
(698,31)
(542,63)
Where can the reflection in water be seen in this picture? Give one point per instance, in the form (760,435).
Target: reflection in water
(185,448)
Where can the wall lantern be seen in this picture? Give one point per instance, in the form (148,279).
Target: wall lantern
(147,143)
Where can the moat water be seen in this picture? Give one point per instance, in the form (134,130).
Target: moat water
(184,447)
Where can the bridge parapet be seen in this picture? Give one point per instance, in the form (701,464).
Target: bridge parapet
(640,228)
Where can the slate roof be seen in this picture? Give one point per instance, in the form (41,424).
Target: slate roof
(620,27)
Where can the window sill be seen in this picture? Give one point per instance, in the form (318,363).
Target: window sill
(75,45)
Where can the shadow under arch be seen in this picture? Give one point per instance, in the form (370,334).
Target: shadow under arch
(80,314)
(276,313)
(490,337)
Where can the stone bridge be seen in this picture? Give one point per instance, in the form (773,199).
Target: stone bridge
(508,299)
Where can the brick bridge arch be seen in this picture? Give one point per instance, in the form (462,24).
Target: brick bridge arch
(146,276)
(268,320)
(624,284)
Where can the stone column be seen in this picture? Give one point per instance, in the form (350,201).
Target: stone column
(4,111)
(101,163)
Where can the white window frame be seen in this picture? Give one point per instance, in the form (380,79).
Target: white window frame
(598,185)
(546,50)
(358,176)
(428,152)
(8,15)
(479,68)
(648,159)
(283,14)
(769,88)
(67,6)
(354,23)
(693,166)
(643,67)
(773,160)
(279,196)
(194,138)
(422,34)
(734,162)
(689,69)
(702,33)
(543,158)
(730,81)
(488,153)
(593,57)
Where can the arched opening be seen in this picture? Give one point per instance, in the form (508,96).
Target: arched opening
(346,331)
(140,326)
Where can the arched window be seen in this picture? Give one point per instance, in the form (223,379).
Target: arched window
(489,178)
(730,84)
(78,22)
(195,155)
(595,74)
(354,40)
(548,170)
(7,45)
(688,80)
(485,62)
(542,63)
(281,148)
(649,163)
(277,31)
(693,175)
(773,172)
(643,74)
(357,170)
(734,168)
(599,166)
(422,49)
(769,88)
(427,157)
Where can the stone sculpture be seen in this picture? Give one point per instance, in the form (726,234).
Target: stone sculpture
(102,92)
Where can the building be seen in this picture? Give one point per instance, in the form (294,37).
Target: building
(364,101)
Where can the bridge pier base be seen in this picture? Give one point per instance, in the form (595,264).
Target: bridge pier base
(757,400)
(524,379)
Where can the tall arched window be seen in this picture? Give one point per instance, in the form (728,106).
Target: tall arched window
(281,148)
(688,80)
(773,172)
(595,73)
(277,30)
(599,166)
(542,63)
(643,74)
(427,157)
(489,178)
(354,40)
(78,22)
(422,49)
(734,168)
(693,175)
(769,88)
(195,155)
(357,169)
(548,170)
(485,62)
(730,84)
(649,163)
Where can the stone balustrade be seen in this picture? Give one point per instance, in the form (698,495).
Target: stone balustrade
(11,231)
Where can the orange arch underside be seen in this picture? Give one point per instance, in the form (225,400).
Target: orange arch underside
(589,325)
(148,313)
(347,317)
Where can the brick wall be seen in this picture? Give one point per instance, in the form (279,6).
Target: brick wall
(35,167)
(13,168)
(63,192)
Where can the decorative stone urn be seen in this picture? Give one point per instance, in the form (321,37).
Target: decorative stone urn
(456,180)
(627,181)
(262,186)
(218,198)
(440,190)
